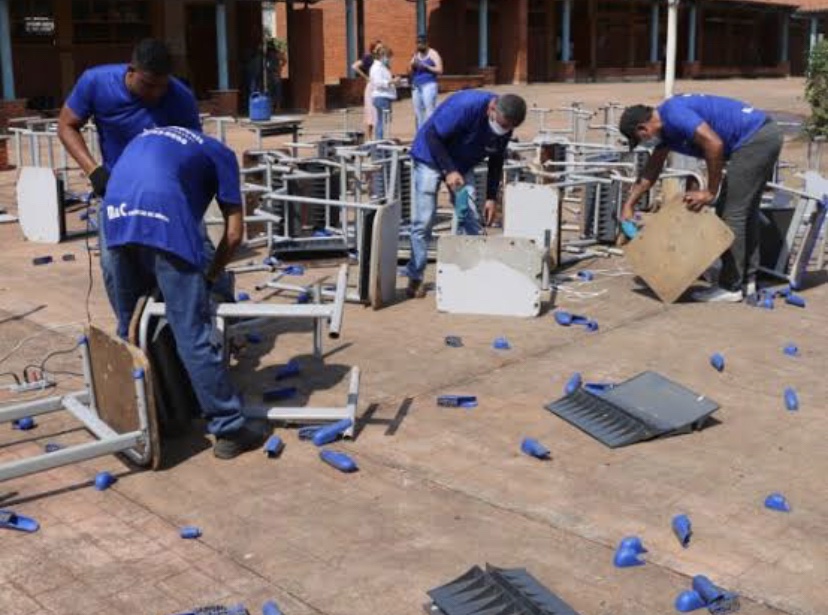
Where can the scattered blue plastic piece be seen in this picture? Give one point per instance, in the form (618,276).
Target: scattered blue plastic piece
(104,480)
(573,384)
(242,296)
(629,228)
(24,424)
(323,232)
(271,608)
(454,341)
(533,448)
(253,338)
(791,350)
(689,600)
(273,446)
(626,558)
(761,299)
(633,543)
(501,343)
(717,362)
(717,600)
(12,521)
(795,300)
(683,529)
(598,388)
(777,501)
(42,260)
(51,447)
(303,298)
(457,401)
(190,532)
(340,461)
(565,319)
(330,433)
(296,270)
(279,393)
(288,370)
(791,399)
(270,261)
(586,275)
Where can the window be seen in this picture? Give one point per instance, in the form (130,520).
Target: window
(111,21)
(32,21)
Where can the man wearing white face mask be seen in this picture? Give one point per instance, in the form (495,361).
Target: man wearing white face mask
(726,133)
(468,127)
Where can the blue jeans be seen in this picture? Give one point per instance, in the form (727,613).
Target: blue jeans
(423,209)
(382,104)
(424,98)
(136,271)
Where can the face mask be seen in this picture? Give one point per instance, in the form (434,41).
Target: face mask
(422,48)
(386,61)
(496,128)
(651,143)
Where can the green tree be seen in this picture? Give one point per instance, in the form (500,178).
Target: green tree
(816,89)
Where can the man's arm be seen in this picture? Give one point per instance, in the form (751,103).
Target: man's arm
(711,145)
(648,177)
(437,69)
(69,133)
(357,68)
(230,241)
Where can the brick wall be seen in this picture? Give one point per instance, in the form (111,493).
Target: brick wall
(307,41)
(9,109)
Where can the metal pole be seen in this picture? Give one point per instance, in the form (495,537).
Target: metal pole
(483,34)
(350,36)
(221,44)
(814,33)
(421,18)
(670,60)
(654,19)
(784,38)
(566,31)
(6,52)
(691,33)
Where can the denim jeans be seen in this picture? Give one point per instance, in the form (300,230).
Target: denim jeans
(382,104)
(424,98)
(136,271)
(423,209)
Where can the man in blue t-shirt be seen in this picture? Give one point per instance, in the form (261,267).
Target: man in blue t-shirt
(123,100)
(468,127)
(726,133)
(155,201)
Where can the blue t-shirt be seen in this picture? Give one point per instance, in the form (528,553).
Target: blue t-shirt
(734,121)
(421,76)
(161,187)
(120,116)
(462,123)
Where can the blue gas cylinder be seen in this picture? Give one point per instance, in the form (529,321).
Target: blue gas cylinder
(259,107)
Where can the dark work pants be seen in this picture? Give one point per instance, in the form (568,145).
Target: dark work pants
(749,168)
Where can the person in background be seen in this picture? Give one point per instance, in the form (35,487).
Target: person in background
(383,90)
(274,62)
(362,67)
(426,65)
(468,127)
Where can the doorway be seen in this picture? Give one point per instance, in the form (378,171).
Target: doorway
(202,56)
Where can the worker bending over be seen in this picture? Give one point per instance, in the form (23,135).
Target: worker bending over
(155,200)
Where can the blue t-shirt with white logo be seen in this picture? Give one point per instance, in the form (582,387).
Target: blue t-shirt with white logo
(162,185)
(462,123)
(734,121)
(120,116)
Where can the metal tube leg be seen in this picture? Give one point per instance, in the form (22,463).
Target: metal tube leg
(339,302)
(317,323)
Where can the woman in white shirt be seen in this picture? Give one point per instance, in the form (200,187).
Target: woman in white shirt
(383,90)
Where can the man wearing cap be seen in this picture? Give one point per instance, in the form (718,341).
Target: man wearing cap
(468,127)
(726,133)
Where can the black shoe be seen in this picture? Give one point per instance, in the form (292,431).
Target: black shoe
(249,437)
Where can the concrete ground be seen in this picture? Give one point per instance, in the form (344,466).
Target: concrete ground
(448,488)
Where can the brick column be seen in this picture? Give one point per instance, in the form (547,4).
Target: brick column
(9,109)
(565,71)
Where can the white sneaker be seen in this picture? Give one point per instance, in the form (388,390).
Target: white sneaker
(716,294)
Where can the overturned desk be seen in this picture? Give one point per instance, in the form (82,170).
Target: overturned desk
(276,125)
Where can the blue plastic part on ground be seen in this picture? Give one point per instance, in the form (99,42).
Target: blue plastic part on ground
(683,529)
(190,532)
(457,401)
(689,600)
(533,448)
(273,447)
(778,502)
(339,460)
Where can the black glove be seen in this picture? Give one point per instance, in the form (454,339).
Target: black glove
(99,178)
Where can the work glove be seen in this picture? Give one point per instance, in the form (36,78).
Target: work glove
(99,178)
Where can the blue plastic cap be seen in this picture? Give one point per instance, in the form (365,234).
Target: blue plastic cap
(777,501)
(190,532)
(243,297)
(573,384)
(51,447)
(138,373)
(24,424)
(533,448)
(104,480)
(791,399)
(273,446)
(501,343)
(632,543)
(626,558)
(586,275)
(689,600)
(706,589)
(717,362)
(683,529)
(563,318)
(270,608)
(791,350)
(82,339)
(629,228)
(592,325)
